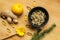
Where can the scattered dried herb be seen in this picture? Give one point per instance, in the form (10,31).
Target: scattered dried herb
(34,4)
(8,30)
(26,18)
(34,1)
(29,8)
(29,34)
(12,25)
(4,23)
(28,25)
(39,36)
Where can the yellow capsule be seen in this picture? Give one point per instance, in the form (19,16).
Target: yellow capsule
(34,4)
(29,8)
(8,30)
(4,23)
(25,18)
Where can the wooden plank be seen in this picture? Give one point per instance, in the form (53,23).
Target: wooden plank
(53,8)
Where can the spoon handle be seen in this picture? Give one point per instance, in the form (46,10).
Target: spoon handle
(9,37)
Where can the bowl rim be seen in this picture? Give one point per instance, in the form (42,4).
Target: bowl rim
(41,9)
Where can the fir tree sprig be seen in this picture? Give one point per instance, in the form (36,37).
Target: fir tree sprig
(39,36)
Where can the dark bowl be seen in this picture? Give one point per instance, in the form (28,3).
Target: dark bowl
(44,11)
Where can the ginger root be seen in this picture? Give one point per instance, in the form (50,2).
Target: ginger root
(9,16)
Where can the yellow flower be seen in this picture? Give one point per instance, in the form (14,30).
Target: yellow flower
(20,31)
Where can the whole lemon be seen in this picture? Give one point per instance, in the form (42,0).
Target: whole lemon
(17,8)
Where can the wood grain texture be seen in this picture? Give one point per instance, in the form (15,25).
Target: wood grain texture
(53,8)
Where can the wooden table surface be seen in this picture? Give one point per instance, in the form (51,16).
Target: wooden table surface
(53,8)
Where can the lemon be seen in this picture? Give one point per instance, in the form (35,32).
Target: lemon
(20,31)
(17,8)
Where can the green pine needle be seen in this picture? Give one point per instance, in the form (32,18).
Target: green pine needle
(39,36)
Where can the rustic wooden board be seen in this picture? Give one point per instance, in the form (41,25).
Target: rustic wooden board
(53,8)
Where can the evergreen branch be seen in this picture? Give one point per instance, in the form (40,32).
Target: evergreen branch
(39,36)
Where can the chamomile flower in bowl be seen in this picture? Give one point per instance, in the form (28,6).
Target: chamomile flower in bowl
(38,17)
